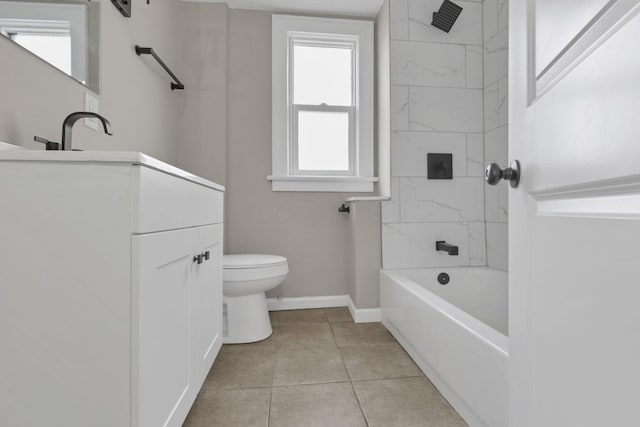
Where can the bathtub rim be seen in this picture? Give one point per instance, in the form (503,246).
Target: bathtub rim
(486,334)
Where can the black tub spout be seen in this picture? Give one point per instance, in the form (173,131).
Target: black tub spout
(441,245)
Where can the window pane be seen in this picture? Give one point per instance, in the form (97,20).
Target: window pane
(322,75)
(323,141)
(53,48)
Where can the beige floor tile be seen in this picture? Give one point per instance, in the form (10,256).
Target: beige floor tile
(405,402)
(338,314)
(378,361)
(273,316)
(241,368)
(317,405)
(360,333)
(266,345)
(303,335)
(230,408)
(288,317)
(309,366)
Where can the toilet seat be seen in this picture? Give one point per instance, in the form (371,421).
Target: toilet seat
(248,267)
(252,261)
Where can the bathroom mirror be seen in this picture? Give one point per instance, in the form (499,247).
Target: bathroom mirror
(63,33)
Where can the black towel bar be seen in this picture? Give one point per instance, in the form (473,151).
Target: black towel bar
(149,51)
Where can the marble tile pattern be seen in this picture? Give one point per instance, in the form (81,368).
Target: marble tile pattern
(437,102)
(428,64)
(409,152)
(400,107)
(429,200)
(360,377)
(496,129)
(435,109)
(412,245)
(496,57)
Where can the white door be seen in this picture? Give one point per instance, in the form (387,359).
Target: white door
(575,218)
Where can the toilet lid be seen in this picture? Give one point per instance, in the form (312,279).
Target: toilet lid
(252,261)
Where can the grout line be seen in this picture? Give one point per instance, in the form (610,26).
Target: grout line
(390,378)
(306,384)
(353,389)
(439,87)
(216,390)
(349,375)
(359,403)
(273,374)
(445,43)
(401,131)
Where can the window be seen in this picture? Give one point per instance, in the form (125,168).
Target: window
(322,104)
(56,33)
(52,46)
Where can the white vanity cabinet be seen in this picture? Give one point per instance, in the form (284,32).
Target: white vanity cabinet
(179,329)
(110,289)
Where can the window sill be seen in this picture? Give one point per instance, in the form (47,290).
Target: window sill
(338,184)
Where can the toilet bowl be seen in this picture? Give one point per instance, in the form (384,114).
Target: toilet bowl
(246,278)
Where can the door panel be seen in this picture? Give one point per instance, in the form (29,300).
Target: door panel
(565,32)
(575,219)
(162,381)
(206,303)
(585,321)
(554,32)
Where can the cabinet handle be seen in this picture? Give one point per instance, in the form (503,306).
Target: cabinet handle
(198,259)
(206,256)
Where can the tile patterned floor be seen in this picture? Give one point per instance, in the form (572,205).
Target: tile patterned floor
(319,369)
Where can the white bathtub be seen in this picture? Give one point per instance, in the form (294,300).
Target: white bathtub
(456,333)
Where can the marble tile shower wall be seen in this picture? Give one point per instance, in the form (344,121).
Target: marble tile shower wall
(437,102)
(496,67)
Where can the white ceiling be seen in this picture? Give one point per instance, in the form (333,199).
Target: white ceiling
(368,8)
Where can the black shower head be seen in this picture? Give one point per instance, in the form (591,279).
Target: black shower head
(446,16)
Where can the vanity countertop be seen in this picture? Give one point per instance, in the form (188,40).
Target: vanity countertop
(130,157)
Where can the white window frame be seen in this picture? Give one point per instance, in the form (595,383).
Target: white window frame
(50,18)
(357,35)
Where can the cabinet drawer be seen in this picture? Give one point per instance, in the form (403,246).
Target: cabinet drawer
(165,202)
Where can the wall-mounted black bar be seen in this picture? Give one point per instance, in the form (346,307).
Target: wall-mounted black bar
(344,208)
(149,51)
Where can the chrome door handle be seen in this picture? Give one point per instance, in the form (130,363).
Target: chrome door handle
(494,174)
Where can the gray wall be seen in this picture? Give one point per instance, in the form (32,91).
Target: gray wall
(364,254)
(219,127)
(135,96)
(202,115)
(304,227)
(496,38)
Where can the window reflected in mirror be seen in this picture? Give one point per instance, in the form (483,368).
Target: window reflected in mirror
(64,33)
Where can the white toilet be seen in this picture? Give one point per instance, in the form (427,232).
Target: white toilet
(245,280)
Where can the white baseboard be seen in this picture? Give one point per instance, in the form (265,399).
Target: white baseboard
(301,303)
(360,315)
(363,315)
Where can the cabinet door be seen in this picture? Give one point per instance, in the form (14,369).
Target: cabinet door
(206,303)
(162,388)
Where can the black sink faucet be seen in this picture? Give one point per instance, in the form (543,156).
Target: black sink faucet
(68,123)
(441,245)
